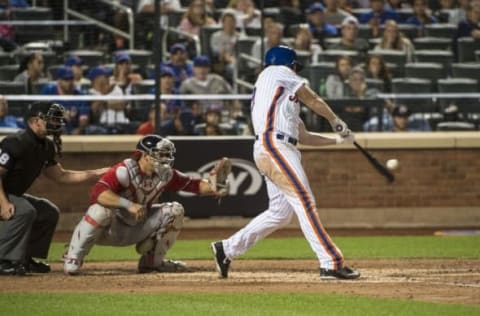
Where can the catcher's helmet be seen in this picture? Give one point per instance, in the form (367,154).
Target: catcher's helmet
(284,56)
(161,149)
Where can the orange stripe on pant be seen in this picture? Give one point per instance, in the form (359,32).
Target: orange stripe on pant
(303,195)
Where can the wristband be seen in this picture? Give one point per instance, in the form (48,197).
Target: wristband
(123,202)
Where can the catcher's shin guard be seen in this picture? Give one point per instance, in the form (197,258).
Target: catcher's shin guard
(155,248)
(84,237)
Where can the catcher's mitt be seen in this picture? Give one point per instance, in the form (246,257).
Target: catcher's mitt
(218,177)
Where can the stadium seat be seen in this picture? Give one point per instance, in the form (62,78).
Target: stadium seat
(8,72)
(253,31)
(331,55)
(244,46)
(390,56)
(435,56)
(431,71)
(5,58)
(205,34)
(442,43)
(466,70)
(364,31)
(440,30)
(30,33)
(408,85)
(318,73)
(175,17)
(466,47)
(455,126)
(37,87)
(143,87)
(459,85)
(477,55)
(8,87)
(90,58)
(293,28)
(52,71)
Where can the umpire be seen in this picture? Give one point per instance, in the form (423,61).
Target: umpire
(27,223)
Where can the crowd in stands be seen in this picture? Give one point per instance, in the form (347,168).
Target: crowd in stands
(363,47)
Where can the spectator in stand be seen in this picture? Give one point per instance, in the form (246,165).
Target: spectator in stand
(421,16)
(378,16)
(6,120)
(303,41)
(470,27)
(375,68)
(349,40)
(179,63)
(317,25)
(336,83)
(194,19)
(395,5)
(167,86)
(30,71)
(357,87)
(273,37)
(148,127)
(398,120)
(204,82)
(459,14)
(122,73)
(106,117)
(181,124)
(78,79)
(8,4)
(333,14)
(76,112)
(393,39)
(222,45)
(148,6)
(213,124)
(245,13)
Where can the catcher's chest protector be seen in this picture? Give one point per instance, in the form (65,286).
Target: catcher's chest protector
(143,189)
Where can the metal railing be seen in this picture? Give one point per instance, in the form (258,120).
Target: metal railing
(130,36)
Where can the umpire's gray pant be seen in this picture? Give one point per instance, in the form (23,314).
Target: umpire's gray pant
(30,230)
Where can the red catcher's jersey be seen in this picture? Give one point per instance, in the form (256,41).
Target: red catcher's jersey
(127,180)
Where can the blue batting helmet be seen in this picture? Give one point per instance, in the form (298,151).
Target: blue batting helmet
(284,56)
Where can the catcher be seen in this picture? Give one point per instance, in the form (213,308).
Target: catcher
(123,212)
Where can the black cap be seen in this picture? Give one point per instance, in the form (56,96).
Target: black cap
(401,110)
(37,109)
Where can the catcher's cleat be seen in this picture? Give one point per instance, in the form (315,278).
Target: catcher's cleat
(71,266)
(221,261)
(345,273)
(165,266)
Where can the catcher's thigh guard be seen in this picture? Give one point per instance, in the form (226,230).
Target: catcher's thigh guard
(171,222)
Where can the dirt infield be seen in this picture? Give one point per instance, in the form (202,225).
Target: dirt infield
(441,280)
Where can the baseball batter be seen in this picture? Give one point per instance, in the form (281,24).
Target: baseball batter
(275,112)
(123,211)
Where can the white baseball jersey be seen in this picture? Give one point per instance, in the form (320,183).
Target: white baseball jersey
(275,114)
(274,104)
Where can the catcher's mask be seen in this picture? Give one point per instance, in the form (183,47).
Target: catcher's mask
(161,149)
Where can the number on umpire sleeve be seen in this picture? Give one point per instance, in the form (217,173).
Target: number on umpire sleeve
(4,158)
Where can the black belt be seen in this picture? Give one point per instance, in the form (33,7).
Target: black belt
(290,140)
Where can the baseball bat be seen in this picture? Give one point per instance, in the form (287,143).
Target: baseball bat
(375,163)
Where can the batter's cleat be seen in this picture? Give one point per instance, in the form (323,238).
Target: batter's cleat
(221,260)
(345,273)
(71,266)
(33,266)
(167,265)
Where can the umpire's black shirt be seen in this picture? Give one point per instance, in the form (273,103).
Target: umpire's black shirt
(24,155)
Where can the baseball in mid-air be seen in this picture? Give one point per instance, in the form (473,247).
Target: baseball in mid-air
(392,164)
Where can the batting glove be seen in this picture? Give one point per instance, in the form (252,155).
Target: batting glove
(340,127)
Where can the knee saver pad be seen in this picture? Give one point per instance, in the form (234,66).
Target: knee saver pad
(101,215)
(172,216)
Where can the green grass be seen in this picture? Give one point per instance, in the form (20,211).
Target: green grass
(298,248)
(218,304)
